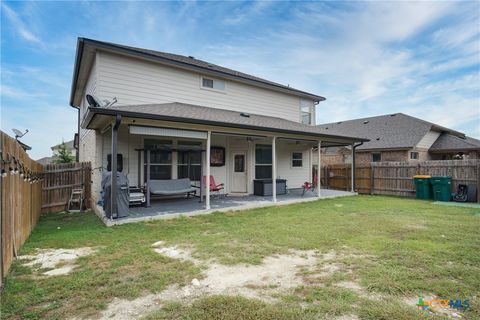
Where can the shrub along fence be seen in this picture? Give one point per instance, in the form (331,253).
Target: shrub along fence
(20,198)
(59,181)
(396,178)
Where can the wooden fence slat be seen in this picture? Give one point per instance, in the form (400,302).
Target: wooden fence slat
(396,178)
(20,199)
(59,181)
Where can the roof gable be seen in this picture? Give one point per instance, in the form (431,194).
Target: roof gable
(176,60)
(394,131)
(448,142)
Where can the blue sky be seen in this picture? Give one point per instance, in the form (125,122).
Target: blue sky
(366,58)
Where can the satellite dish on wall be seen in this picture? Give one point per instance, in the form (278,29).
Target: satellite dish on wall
(97,103)
(18,133)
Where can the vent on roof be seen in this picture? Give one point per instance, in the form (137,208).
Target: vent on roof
(366,121)
(339,122)
(191,57)
(393,115)
(378,139)
(246,115)
(326,128)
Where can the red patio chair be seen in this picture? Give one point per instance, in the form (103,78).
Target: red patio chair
(214,187)
(309,186)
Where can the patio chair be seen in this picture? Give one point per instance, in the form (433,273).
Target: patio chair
(214,187)
(309,186)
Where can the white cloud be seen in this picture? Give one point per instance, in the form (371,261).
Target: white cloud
(20,26)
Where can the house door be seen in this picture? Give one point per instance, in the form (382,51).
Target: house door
(239,172)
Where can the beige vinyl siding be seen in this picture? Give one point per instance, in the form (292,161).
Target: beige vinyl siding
(90,88)
(427,141)
(295,176)
(141,82)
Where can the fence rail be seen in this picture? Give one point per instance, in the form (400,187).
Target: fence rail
(20,199)
(59,181)
(395,178)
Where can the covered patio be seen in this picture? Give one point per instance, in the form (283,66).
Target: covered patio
(176,207)
(264,160)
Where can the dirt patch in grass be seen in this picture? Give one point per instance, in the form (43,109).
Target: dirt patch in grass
(58,261)
(275,274)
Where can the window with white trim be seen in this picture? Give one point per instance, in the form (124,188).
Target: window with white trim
(306,112)
(297,159)
(413,155)
(209,83)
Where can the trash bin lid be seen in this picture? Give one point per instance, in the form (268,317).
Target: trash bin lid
(444,178)
(420,176)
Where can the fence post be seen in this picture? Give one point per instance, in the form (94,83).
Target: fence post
(372,179)
(478,180)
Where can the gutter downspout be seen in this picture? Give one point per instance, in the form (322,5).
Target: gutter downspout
(354,170)
(113,190)
(77,155)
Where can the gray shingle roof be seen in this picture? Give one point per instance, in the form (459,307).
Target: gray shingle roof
(193,62)
(392,131)
(450,142)
(199,114)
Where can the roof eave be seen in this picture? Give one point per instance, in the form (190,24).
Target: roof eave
(76,68)
(91,112)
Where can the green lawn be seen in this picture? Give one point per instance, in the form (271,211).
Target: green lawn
(393,248)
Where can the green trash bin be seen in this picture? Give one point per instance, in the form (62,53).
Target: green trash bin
(442,188)
(423,187)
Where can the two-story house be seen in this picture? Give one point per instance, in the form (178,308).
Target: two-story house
(179,117)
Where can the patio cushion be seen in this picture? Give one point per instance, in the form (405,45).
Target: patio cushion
(171,187)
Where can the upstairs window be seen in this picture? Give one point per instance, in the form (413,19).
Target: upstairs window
(214,84)
(413,155)
(376,157)
(306,112)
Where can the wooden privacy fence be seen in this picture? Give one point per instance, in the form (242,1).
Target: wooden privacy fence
(395,178)
(59,181)
(20,199)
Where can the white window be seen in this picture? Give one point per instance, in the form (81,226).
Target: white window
(413,155)
(297,159)
(214,84)
(306,112)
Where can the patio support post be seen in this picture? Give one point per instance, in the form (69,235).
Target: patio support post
(353,167)
(207,180)
(319,168)
(113,190)
(147,156)
(274,170)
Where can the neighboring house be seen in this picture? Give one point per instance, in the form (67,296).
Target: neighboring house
(45,160)
(55,151)
(399,137)
(184,110)
(70,147)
